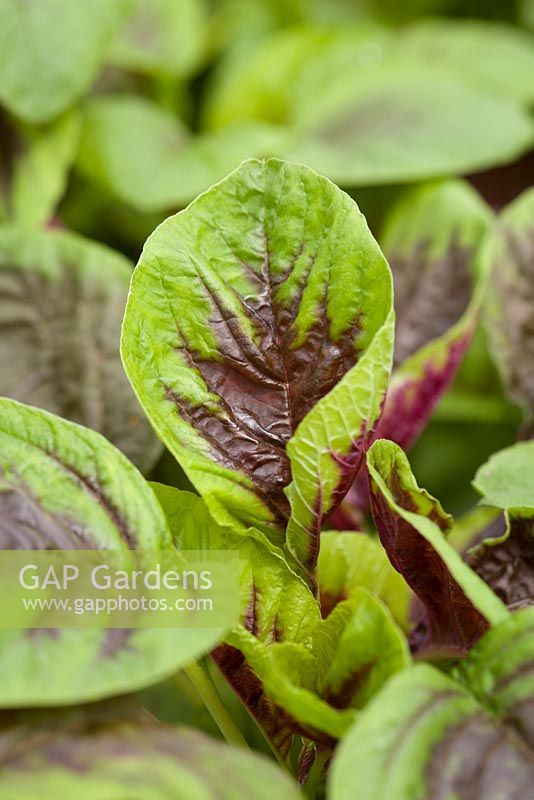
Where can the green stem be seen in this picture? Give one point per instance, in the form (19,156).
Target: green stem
(203,683)
(316,773)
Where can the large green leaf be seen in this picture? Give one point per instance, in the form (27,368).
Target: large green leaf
(457,603)
(509,253)
(34,165)
(295,672)
(167,37)
(258,337)
(62,299)
(426,736)
(269,80)
(402,123)
(369,108)
(123,760)
(146,158)
(496,57)
(50,52)
(65,487)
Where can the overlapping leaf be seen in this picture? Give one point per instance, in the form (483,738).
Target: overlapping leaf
(258,337)
(402,123)
(34,164)
(167,38)
(457,604)
(274,601)
(428,736)
(291,69)
(351,654)
(294,671)
(348,561)
(505,685)
(506,481)
(506,562)
(65,487)
(509,254)
(62,299)
(366,108)
(270,80)
(431,239)
(496,57)
(146,158)
(50,52)
(118,759)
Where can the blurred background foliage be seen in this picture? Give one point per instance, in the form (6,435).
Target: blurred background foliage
(116,113)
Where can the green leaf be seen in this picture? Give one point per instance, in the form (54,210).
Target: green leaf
(34,165)
(319,683)
(295,672)
(272,595)
(65,487)
(348,561)
(506,562)
(275,602)
(509,253)
(137,761)
(427,736)
(492,56)
(288,676)
(361,648)
(50,52)
(146,158)
(328,448)
(505,685)
(400,123)
(258,319)
(165,38)
(506,480)
(369,108)
(471,527)
(431,239)
(62,299)
(270,79)
(411,524)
